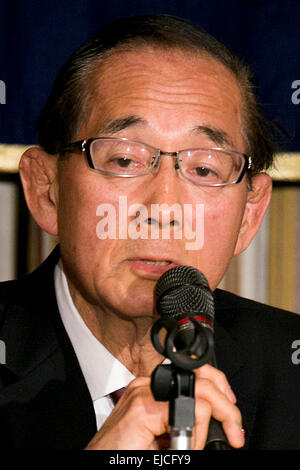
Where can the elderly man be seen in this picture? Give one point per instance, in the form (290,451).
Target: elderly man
(157,112)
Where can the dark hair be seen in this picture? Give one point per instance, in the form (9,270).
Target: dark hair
(71,99)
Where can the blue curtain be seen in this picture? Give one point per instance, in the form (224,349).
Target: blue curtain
(36,37)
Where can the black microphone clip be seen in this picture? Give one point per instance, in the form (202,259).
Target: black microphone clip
(196,352)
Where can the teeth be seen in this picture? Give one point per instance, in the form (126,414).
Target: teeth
(158,263)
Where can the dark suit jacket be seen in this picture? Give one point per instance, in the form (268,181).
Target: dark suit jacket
(44,400)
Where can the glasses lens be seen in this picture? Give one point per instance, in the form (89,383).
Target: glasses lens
(211,167)
(121,158)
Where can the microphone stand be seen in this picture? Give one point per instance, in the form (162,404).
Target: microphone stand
(169,383)
(175,383)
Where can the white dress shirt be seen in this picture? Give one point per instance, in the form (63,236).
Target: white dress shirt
(103,373)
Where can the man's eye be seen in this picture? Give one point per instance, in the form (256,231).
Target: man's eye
(122,162)
(202,171)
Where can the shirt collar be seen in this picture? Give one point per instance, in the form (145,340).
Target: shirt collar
(102,371)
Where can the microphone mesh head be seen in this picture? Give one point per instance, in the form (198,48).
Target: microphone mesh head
(185,290)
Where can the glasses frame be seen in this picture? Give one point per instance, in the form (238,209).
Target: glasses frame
(85,147)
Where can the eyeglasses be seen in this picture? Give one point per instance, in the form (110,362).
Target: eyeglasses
(130,158)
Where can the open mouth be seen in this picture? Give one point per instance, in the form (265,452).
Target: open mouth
(152,267)
(156,263)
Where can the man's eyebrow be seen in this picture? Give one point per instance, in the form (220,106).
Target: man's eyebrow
(216,135)
(117,125)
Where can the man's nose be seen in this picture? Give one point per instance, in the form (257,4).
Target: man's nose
(164,194)
(164,186)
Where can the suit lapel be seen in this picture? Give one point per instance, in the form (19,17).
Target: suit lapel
(42,380)
(232,360)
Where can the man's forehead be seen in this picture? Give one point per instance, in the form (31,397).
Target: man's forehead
(162,63)
(165,80)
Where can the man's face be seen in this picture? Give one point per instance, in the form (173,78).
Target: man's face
(177,103)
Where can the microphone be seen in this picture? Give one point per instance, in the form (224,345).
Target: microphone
(183,294)
(183,291)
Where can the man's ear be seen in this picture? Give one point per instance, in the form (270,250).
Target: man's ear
(258,200)
(38,172)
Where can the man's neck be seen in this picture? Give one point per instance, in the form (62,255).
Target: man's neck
(127,339)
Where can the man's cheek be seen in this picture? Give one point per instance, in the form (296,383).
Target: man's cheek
(220,230)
